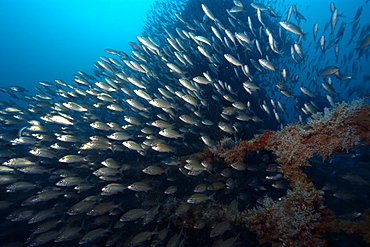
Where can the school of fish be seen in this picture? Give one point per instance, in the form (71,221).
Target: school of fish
(109,159)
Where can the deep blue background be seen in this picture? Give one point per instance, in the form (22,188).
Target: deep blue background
(43,40)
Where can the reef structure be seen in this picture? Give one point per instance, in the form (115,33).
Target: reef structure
(299,218)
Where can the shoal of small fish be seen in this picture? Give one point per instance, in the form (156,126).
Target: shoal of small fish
(109,159)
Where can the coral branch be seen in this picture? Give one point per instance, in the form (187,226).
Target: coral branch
(238,152)
(292,220)
(324,134)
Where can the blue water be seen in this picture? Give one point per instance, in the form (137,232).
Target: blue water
(43,40)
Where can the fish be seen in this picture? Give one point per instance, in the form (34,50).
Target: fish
(291,27)
(201,80)
(67,234)
(141,237)
(42,215)
(220,229)
(354,178)
(132,145)
(170,133)
(71,158)
(329,88)
(307,92)
(250,85)
(170,190)
(148,43)
(44,238)
(322,43)
(329,70)
(298,49)
(82,207)
(240,166)
(333,19)
(139,186)
(69,181)
(112,188)
(231,59)
(266,64)
(44,196)
(208,12)
(163,148)
(365,42)
(226,127)
(199,198)
(358,14)
(134,214)
(153,170)
(315,30)
(236,9)
(259,6)
(18,162)
(92,235)
(344,194)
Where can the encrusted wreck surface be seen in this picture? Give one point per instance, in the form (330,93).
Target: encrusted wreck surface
(300,218)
